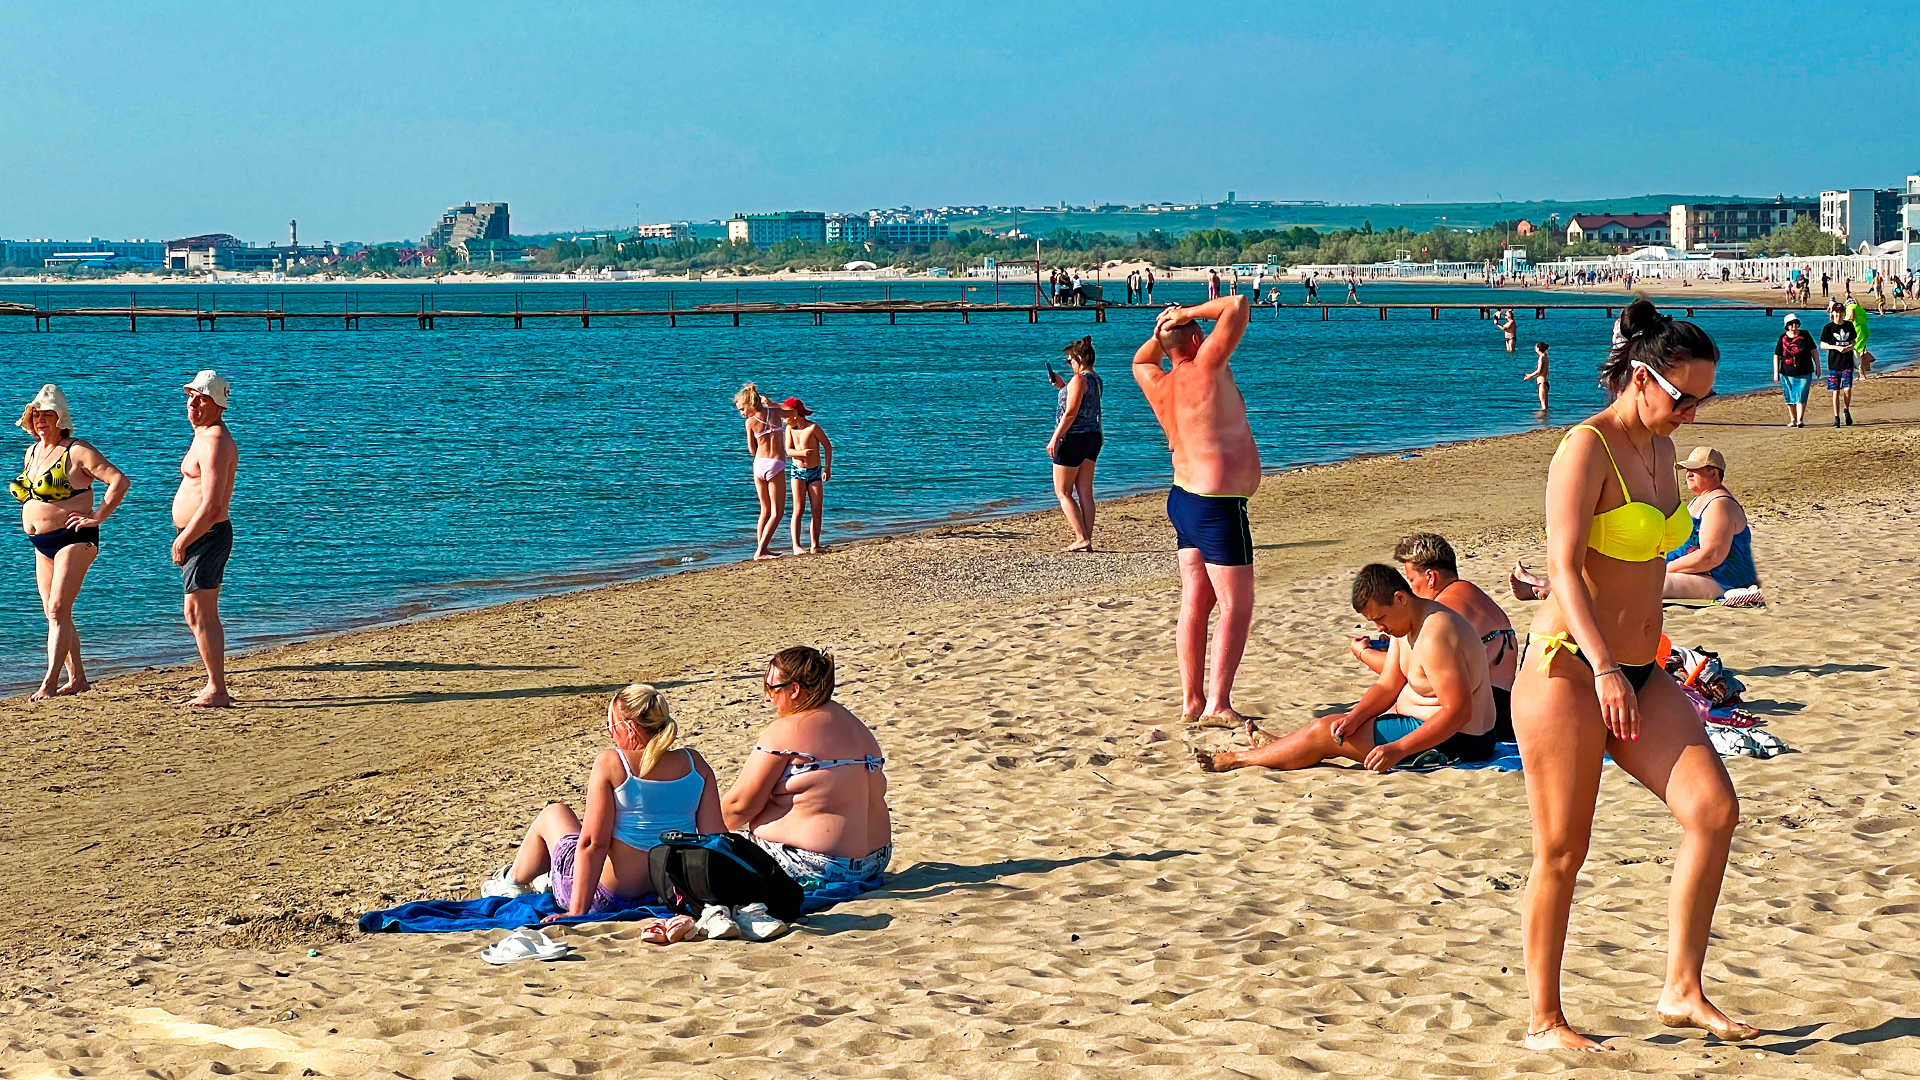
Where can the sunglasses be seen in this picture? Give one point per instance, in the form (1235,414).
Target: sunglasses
(1681,402)
(774,687)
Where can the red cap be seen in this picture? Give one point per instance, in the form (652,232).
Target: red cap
(797,405)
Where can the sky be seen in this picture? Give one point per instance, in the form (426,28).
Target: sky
(365,120)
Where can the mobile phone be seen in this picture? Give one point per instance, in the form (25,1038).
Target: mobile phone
(1052,374)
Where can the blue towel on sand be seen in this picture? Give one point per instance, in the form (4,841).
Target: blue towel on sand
(1506,758)
(514,912)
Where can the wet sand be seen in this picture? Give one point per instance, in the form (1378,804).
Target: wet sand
(1070,894)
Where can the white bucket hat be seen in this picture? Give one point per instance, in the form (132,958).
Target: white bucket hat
(210,383)
(49,399)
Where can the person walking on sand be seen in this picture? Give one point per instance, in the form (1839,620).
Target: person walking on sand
(1793,369)
(1076,441)
(767,442)
(1216,469)
(203,530)
(1538,376)
(1837,341)
(810,463)
(55,492)
(1590,685)
(1509,328)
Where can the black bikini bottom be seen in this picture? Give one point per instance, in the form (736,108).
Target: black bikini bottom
(1637,674)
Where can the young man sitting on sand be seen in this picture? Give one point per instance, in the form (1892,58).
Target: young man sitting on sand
(1433,572)
(1433,693)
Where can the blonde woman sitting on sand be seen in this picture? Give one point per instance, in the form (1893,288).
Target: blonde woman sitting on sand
(813,794)
(1588,685)
(638,789)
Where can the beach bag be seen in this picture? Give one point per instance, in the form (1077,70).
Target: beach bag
(693,870)
(1701,670)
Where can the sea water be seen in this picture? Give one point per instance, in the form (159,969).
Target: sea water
(390,472)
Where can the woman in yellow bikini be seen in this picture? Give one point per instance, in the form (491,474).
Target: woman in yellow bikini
(1590,685)
(55,492)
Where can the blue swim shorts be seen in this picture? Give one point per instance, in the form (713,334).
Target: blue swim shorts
(1215,524)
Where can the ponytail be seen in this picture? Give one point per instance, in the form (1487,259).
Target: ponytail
(1656,340)
(646,708)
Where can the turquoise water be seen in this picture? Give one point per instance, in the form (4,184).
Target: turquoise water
(391,472)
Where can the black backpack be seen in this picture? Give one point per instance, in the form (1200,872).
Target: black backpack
(692,870)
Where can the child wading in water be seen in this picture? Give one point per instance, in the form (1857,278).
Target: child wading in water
(810,465)
(1538,376)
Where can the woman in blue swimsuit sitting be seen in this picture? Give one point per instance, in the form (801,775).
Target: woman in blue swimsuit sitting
(639,788)
(813,794)
(1590,684)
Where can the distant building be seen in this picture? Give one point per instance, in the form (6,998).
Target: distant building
(1910,220)
(224,251)
(1861,215)
(1618,228)
(1523,227)
(476,250)
(672,232)
(94,250)
(766,230)
(910,232)
(849,228)
(1731,226)
(468,221)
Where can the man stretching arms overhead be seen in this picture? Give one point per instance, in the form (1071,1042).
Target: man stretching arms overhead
(1215,469)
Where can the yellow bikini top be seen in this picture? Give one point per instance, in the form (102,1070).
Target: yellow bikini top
(53,485)
(1637,531)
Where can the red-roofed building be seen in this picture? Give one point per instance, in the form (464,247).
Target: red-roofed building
(1523,227)
(1618,228)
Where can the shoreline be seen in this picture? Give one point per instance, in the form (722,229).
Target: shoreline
(585,581)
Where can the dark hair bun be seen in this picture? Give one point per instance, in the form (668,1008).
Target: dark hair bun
(1656,340)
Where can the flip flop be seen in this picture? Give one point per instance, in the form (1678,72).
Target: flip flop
(528,944)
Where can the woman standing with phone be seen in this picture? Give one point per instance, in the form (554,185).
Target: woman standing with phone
(1076,441)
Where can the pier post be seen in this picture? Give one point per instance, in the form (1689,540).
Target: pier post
(672,319)
(893,318)
(1436,314)
(1323,314)
(964,317)
(736,318)
(1383,314)
(1539,313)
(1033,314)
(1100,314)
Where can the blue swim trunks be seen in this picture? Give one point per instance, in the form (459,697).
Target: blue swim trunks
(805,475)
(1215,524)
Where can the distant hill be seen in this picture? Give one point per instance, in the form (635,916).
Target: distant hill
(1240,217)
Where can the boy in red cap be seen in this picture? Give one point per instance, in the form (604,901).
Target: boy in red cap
(809,465)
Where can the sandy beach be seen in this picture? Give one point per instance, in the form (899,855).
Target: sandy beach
(1070,895)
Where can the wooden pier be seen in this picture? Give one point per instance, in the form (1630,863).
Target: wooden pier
(427,318)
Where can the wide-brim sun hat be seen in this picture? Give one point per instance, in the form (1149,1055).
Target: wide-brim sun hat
(49,399)
(211,384)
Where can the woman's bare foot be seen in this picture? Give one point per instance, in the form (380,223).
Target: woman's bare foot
(1701,1013)
(1079,545)
(765,556)
(46,691)
(1257,738)
(1526,584)
(1560,1035)
(79,687)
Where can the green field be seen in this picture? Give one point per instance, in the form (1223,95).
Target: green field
(1418,217)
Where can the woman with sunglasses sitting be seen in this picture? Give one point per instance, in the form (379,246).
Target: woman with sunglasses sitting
(813,793)
(1591,686)
(637,790)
